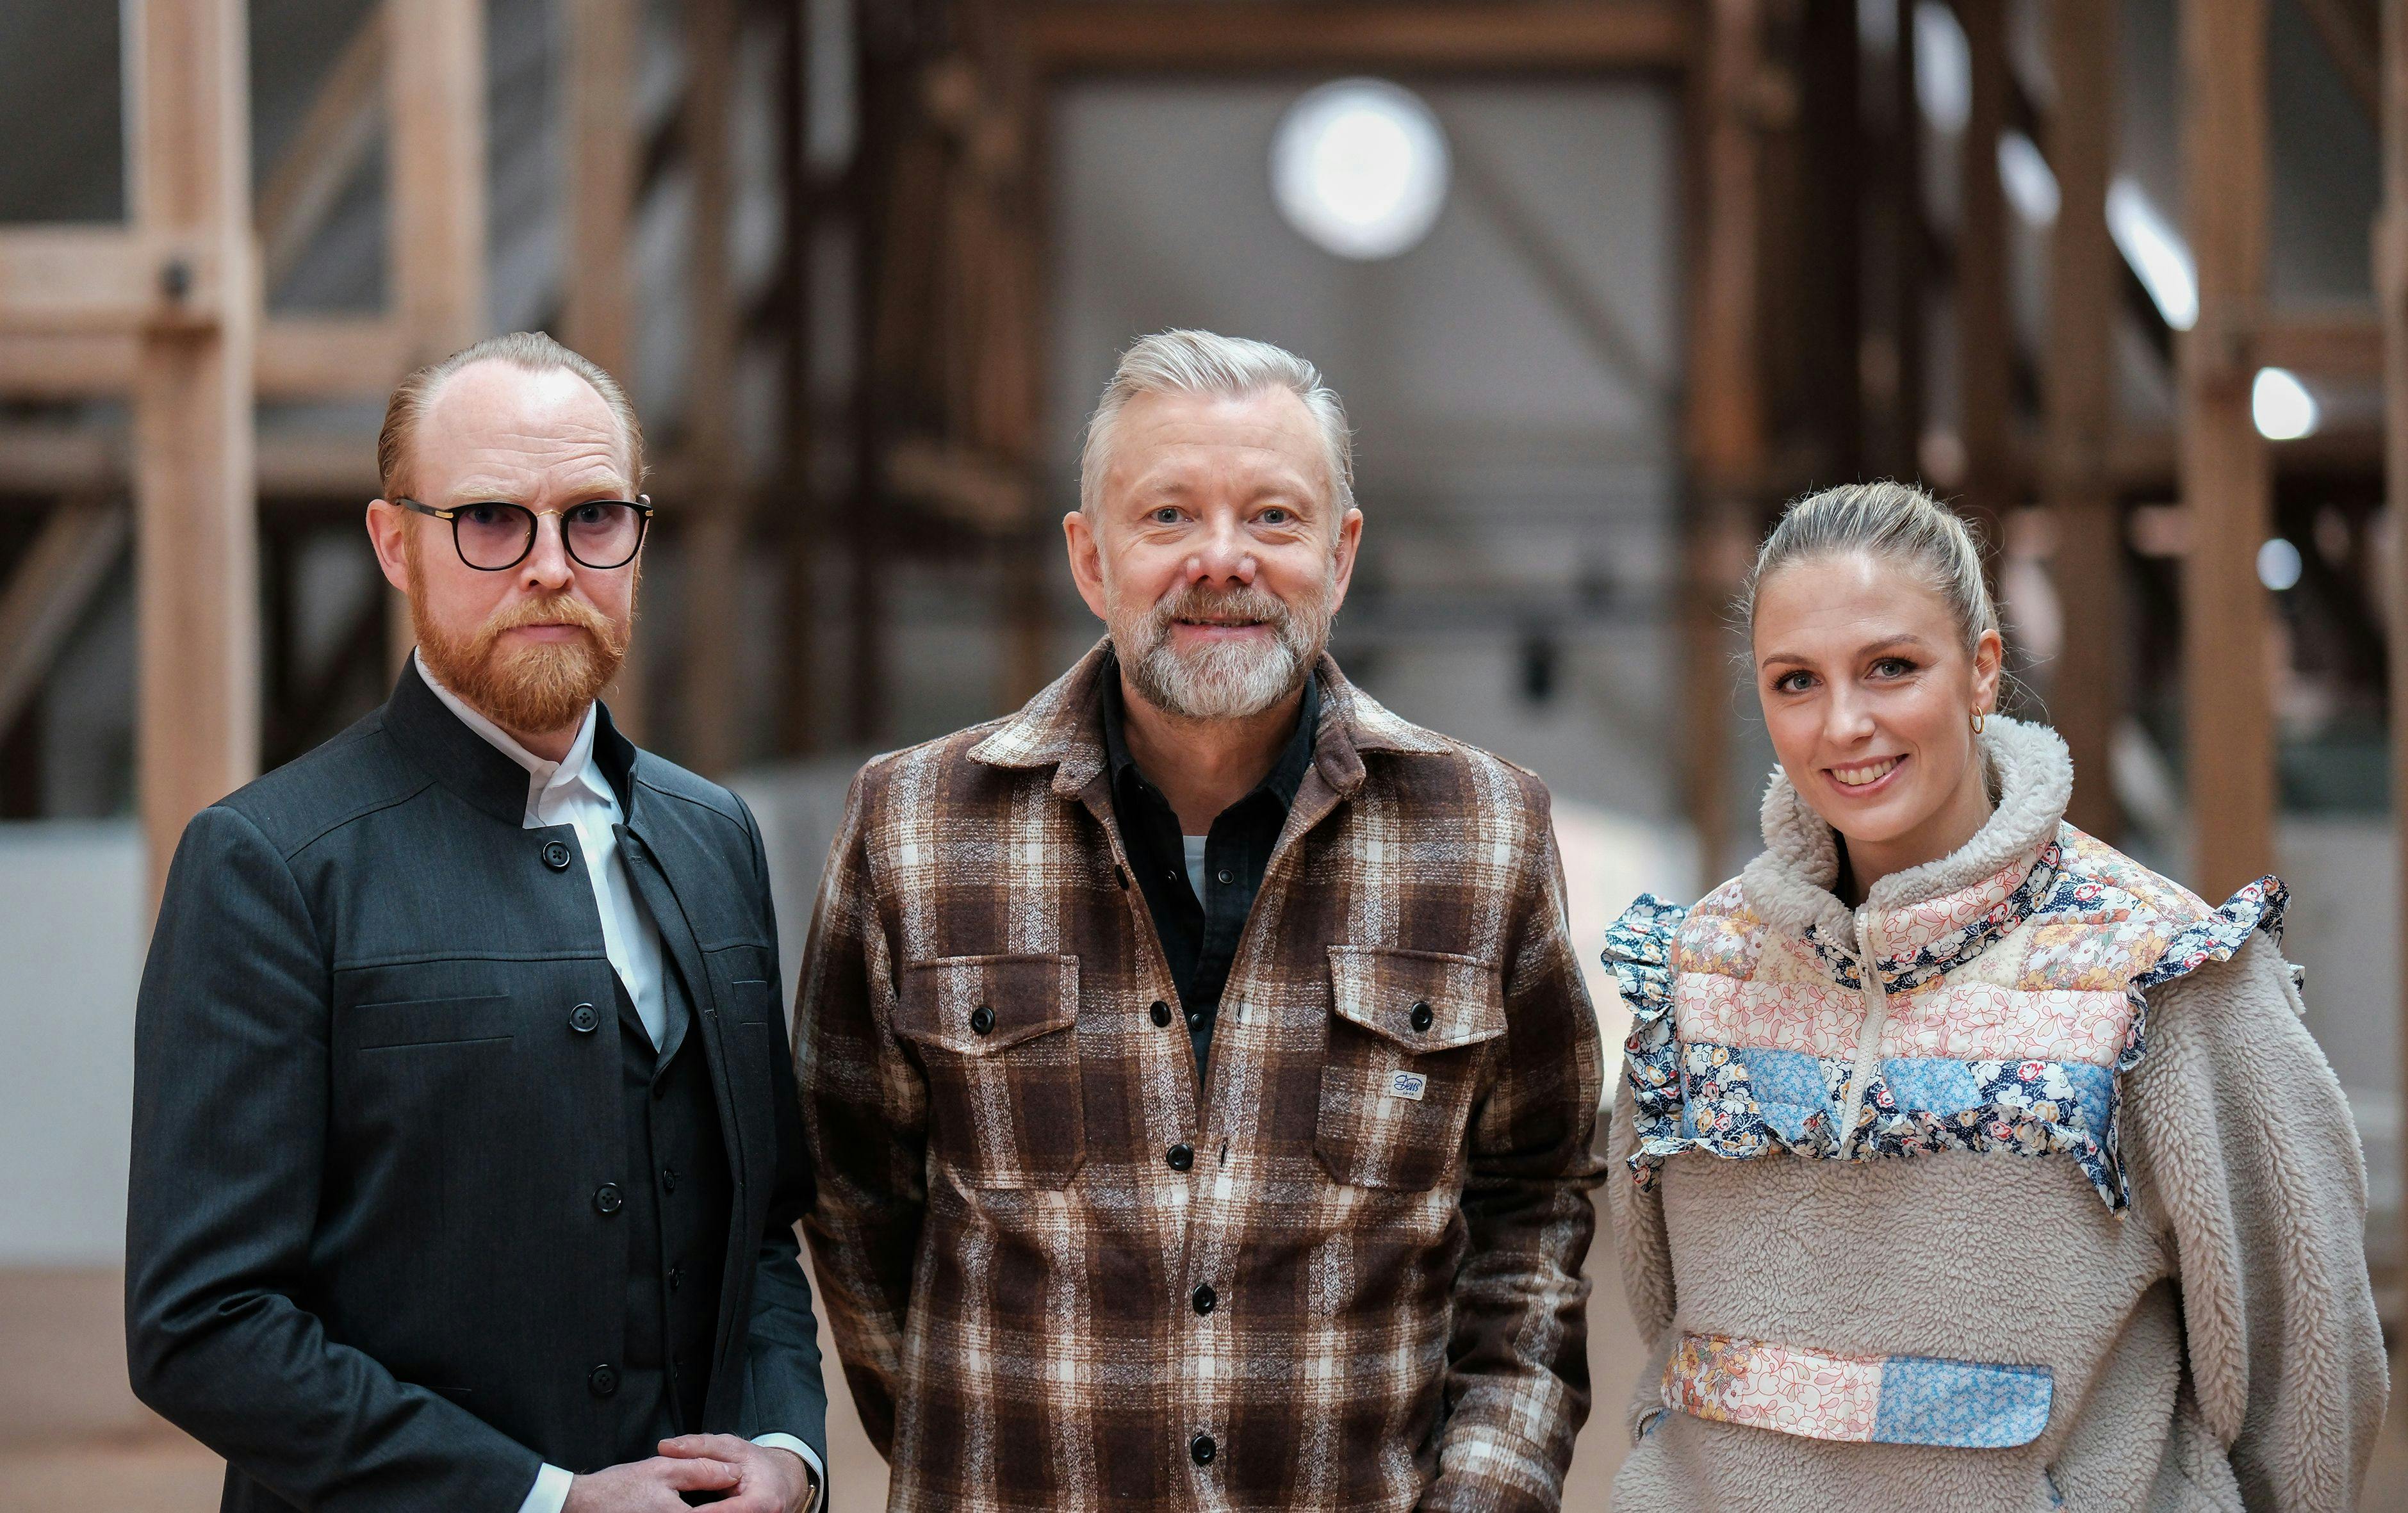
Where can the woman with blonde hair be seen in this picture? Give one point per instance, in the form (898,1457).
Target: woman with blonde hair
(1962,1160)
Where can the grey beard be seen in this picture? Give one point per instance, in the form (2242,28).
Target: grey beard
(1224,681)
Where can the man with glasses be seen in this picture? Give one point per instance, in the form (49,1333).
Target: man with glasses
(466,1158)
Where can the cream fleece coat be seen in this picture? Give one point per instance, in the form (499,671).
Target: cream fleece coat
(2021,1187)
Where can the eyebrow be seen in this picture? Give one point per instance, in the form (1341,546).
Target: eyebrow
(1901,640)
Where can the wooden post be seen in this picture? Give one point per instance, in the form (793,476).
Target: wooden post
(435,229)
(2227,486)
(600,139)
(1725,424)
(2391,296)
(715,552)
(798,712)
(196,538)
(1985,336)
(2086,692)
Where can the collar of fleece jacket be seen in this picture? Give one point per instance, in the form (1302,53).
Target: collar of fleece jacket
(1933,917)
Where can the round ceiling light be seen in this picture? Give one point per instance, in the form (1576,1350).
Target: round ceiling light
(1360,168)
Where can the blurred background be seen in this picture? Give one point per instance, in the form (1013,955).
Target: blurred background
(1601,282)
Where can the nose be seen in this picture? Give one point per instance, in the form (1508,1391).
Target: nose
(547,567)
(1223,556)
(1848,717)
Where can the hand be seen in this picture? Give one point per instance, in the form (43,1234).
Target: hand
(648,1485)
(769,1480)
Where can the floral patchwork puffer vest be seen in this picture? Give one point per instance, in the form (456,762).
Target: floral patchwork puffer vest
(1989,1003)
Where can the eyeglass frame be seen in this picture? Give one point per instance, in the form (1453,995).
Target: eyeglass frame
(642,504)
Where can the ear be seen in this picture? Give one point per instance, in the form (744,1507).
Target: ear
(388,531)
(1990,659)
(1086,560)
(1350,541)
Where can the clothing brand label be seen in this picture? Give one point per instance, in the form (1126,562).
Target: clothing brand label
(1407,1085)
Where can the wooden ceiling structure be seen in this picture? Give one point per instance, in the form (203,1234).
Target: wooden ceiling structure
(1794,372)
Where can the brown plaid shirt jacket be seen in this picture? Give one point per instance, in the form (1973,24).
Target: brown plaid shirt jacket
(1346,1274)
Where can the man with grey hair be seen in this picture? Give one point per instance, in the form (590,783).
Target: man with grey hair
(1201,1079)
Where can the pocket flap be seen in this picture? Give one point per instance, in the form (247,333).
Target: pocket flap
(975,1006)
(1422,1000)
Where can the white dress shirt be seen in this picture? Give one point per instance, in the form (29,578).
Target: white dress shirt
(572,791)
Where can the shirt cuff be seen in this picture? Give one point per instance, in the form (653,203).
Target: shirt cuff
(550,1493)
(811,1459)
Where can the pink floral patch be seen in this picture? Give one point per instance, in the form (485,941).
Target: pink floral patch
(1775,1387)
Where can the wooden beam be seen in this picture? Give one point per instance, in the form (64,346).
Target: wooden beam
(604,145)
(78,278)
(1986,336)
(797,512)
(1522,37)
(196,548)
(46,594)
(1725,425)
(46,458)
(299,357)
(2345,343)
(327,152)
(2391,305)
(715,542)
(2087,686)
(2226,483)
(435,107)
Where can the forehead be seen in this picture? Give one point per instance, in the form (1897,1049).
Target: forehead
(1848,600)
(496,422)
(1171,438)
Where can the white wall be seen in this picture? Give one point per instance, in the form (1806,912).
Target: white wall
(72,933)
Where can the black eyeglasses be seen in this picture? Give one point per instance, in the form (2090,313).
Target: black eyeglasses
(494,535)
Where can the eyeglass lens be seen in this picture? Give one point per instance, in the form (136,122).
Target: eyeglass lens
(599,533)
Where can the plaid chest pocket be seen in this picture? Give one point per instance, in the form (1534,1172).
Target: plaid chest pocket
(1406,1033)
(998,1037)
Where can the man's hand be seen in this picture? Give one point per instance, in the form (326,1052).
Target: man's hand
(650,1486)
(769,1480)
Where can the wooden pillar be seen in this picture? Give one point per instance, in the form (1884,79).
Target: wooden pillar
(718,504)
(1725,424)
(434,164)
(2392,295)
(196,539)
(602,145)
(2227,485)
(798,712)
(1985,335)
(2086,695)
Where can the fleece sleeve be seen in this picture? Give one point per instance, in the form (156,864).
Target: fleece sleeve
(2240,1129)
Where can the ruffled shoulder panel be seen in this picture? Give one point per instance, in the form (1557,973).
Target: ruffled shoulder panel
(2219,936)
(1639,948)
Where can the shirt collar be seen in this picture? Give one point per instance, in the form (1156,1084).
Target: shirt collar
(573,772)
(1281,782)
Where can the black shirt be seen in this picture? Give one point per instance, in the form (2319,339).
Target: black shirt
(1200,937)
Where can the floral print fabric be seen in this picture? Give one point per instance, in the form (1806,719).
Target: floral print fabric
(2011,1009)
(1892,1400)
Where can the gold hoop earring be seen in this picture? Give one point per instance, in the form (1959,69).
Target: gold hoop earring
(1980,717)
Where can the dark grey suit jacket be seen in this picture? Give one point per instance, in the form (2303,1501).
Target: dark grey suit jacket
(364,1262)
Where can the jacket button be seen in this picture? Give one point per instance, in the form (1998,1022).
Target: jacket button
(676,1276)
(1201,1450)
(555,855)
(1161,1012)
(582,1018)
(607,1199)
(1204,1298)
(1180,1157)
(981,1020)
(668,1180)
(1422,1016)
(602,1381)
